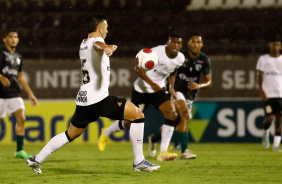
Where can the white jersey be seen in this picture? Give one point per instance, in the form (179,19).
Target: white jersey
(95,70)
(159,74)
(272,75)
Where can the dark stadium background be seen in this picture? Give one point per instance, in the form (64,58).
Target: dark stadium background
(52,30)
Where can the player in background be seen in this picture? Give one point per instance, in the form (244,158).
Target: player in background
(93,99)
(269,70)
(11,81)
(187,84)
(149,89)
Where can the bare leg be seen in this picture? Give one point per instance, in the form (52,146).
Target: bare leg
(19,114)
(19,128)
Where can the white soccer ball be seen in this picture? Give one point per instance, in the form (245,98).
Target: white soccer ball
(147,59)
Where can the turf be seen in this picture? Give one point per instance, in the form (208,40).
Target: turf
(216,163)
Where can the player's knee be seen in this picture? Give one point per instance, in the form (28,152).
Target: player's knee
(270,118)
(184,114)
(21,120)
(177,121)
(172,115)
(139,114)
(139,117)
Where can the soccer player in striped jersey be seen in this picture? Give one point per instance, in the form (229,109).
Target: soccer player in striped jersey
(93,99)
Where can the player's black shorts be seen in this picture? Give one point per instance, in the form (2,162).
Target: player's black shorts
(273,106)
(110,107)
(156,98)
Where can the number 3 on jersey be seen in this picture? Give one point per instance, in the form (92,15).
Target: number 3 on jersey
(85,73)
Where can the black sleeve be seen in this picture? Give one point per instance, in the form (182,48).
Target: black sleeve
(21,65)
(207,67)
(2,59)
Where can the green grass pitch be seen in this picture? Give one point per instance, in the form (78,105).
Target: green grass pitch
(216,163)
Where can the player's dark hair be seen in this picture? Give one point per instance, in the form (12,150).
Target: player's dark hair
(8,31)
(274,38)
(93,21)
(195,34)
(174,35)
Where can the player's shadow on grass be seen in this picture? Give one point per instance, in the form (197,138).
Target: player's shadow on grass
(72,171)
(94,159)
(114,159)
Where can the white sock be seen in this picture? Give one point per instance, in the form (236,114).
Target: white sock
(266,132)
(55,143)
(136,133)
(276,141)
(113,128)
(167,132)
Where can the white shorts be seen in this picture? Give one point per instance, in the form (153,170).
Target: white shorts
(10,105)
(189,103)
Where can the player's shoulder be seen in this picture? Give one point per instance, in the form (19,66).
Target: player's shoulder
(2,49)
(93,39)
(5,51)
(264,57)
(158,48)
(204,56)
(181,56)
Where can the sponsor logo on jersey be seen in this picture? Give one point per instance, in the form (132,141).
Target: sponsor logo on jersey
(187,79)
(273,73)
(160,73)
(81,96)
(8,71)
(198,67)
(199,61)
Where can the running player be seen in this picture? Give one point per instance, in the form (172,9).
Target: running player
(187,84)
(93,99)
(11,77)
(269,68)
(186,88)
(149,89)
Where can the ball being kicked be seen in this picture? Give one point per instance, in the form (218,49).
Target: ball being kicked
(147,59)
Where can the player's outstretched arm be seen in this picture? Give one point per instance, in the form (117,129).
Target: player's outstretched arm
(143,76)
(32,98)
(205,84)
(101,48)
